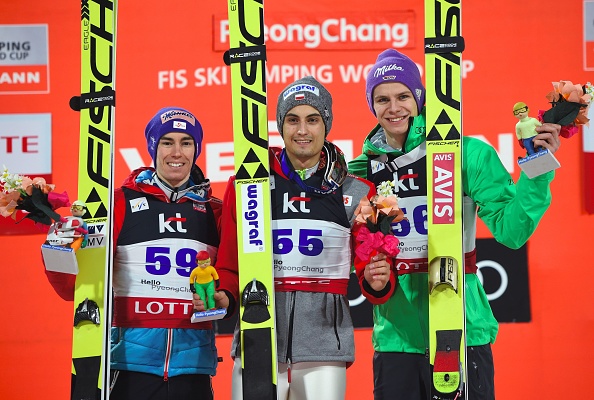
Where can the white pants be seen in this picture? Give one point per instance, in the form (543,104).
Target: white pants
(309,381)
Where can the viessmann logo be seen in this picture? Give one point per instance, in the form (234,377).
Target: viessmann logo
(325,31)
(24,59)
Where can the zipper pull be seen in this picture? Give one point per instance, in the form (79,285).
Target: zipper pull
(166,376)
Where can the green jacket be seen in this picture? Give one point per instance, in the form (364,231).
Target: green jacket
(510,211)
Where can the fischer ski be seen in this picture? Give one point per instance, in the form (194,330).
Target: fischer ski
(92,293)
(247,58)
(447,322)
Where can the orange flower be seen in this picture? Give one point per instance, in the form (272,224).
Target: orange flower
(8,203)
(388,205)
(38,182)
(379,213)
(365,211)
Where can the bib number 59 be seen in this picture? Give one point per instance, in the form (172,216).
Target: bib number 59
(159,261)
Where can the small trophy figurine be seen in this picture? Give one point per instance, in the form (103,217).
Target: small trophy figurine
(537,160)
(64,238)
(569,108)
(203,281)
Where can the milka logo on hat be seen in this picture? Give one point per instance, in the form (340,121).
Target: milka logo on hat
(178,114)
(301,88)
(386,68)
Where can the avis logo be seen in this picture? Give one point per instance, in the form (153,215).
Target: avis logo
(171,224)
(443,188)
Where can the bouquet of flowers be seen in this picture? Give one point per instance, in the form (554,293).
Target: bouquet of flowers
(34,196)
(570,105)
(376,217)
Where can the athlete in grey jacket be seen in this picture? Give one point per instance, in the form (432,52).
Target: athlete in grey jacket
(313,204)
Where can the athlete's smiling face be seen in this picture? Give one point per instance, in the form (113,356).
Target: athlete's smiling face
(174,158)
(303,133)
(394,106)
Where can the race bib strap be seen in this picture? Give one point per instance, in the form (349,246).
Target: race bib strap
(402,267)
(296,284)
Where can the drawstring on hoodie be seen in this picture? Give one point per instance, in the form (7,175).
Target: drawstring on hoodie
(114,379)
(336,321)
(167,355)
(290,342)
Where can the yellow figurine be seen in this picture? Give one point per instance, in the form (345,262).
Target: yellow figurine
(203,279)
(525,127)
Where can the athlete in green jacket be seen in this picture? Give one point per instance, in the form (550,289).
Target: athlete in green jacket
(398,288)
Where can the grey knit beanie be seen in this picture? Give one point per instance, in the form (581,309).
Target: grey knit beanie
(306,91)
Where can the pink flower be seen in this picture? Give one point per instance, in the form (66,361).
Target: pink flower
(58,200)
(374,242)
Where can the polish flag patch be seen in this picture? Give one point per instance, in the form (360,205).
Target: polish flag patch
(300,96)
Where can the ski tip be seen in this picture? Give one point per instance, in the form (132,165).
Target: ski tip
(226,58)
(75,103)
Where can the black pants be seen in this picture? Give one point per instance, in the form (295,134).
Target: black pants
(406,376)
(139,386)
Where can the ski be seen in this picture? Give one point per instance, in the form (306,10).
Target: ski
(447,341)
(247,59)
(92,295)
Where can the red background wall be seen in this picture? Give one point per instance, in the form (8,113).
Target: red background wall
(516,49)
